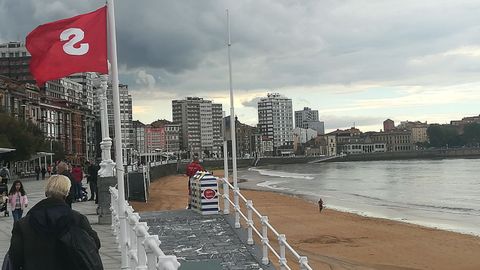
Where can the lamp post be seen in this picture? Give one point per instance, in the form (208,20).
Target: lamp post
(107,165)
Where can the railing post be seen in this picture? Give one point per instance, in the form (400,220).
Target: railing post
(303,263)
(281,243)
(133,219)
(236,190)
(113,202)
(151,256)
(140,231)
(265,239)
(226,197)
(250,222)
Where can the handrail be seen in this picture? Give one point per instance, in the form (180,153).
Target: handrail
(144,250)
(282,241)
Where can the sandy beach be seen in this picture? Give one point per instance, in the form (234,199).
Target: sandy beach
(338,240)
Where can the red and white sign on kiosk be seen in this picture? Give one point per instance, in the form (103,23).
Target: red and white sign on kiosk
(204,193)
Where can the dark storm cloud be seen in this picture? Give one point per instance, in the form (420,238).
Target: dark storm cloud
(276,43)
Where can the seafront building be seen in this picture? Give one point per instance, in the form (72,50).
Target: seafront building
(248,138)
(308,118)
(200,126)
(418,130)
(460,124)
(275,121)
(126,121)
(162,136)
(139,136)
(63,109)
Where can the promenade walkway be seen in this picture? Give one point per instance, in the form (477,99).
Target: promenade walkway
(35,191)
(203,242)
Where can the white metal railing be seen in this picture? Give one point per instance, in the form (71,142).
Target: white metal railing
(144,251)
(302,261)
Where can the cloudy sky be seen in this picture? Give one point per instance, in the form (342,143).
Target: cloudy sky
(355,61)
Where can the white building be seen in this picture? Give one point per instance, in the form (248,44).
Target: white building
(200,125)
(126,121)
(303,135)
(275,119)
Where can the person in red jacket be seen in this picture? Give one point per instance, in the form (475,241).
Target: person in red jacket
(77,174)
(192,168)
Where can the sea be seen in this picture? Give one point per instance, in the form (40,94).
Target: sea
(443,194)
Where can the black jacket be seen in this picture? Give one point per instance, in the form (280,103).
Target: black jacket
(71,194)
(34,238)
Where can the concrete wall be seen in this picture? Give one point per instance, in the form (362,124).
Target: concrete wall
(425,154)
(174,168)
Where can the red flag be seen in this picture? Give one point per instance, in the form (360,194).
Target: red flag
(61,48)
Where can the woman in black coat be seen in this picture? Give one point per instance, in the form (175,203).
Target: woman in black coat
(34,243)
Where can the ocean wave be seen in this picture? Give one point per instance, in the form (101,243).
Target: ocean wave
(282,174)
(272,185)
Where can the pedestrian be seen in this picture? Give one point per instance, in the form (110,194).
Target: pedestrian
(77,174)
(44,171)
(4,203)
(192,168)
(18,200)
(92,180)
(35,238)
(62,169)
(320,205)
(49,170)
(5,174)
(37,172)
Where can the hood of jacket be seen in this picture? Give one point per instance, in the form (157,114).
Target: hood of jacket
(50,216)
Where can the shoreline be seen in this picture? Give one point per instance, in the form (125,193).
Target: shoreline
(339,240)
(246,184)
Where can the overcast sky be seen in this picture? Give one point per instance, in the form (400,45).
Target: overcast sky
(356,62)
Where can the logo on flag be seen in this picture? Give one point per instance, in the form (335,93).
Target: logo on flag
(61,48)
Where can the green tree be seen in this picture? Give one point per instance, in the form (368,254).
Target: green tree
(25,137)
(471,134)
(443,135)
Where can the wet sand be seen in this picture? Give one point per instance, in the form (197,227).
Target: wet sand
(338,240)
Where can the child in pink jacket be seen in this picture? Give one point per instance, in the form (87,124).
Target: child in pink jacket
(17,199)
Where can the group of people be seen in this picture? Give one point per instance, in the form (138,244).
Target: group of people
(38,239)
(75,174)
(16,198)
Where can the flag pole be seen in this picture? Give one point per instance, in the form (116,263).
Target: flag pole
(232,132)
(112,39)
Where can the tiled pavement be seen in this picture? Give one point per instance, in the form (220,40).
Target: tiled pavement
(196,238)
(109,252)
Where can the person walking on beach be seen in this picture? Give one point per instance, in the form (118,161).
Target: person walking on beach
(18,200)
(320,205)
(37,239)
(192,168)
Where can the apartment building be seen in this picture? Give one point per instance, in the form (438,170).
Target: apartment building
(275,119)
(200,123)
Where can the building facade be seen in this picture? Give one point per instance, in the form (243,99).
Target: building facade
(308,118)
(275,119)
(388,125)
(15,61)
(200,124)
(139,136)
